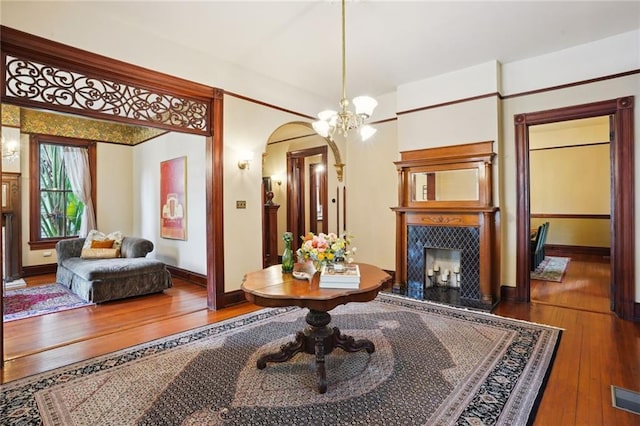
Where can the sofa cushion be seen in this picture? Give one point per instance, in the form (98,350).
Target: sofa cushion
(95,235)
(100,253)
(102,269)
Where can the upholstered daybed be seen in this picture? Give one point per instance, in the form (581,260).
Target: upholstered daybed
(100,280)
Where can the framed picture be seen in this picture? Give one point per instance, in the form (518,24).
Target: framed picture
(173,199)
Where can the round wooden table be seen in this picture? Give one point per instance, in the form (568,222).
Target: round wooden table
(272,288)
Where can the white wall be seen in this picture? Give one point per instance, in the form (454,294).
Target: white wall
(247,127)
(372,182)
(115,192)
(190,254)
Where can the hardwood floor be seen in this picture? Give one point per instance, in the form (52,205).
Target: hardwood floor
(585,286)
(597,349)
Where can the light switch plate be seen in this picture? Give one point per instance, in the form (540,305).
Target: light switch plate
(241,204)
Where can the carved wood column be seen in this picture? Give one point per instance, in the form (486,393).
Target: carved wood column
(486,259)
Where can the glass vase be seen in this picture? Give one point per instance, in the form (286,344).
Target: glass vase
(287,255)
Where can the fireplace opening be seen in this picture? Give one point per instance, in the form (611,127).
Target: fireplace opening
(442,267)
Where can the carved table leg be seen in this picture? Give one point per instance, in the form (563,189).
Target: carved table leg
(285,353)
(349,344)
(319,339)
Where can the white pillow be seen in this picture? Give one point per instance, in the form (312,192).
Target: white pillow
(100,236)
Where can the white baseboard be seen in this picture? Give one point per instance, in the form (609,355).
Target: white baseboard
(19,283)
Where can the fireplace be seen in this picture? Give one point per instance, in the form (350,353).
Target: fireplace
(451,255)
(445,249)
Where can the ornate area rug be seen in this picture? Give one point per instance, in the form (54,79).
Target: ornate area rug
(432,364)
(551,269)
(39,300)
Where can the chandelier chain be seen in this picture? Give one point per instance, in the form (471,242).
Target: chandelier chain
(344,100)
(345,120)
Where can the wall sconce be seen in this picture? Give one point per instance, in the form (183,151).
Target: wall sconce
(243,163)
(10,150)
(276,179)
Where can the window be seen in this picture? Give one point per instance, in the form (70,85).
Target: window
(55,211)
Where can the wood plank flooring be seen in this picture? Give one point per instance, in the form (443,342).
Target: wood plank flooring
(597,349)
(585,285)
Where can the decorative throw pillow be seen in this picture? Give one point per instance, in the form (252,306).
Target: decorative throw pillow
(117,238)
(95,235)
(100,253)
(102,244)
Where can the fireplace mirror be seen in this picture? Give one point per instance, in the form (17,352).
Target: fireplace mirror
(445,185)
(447,177)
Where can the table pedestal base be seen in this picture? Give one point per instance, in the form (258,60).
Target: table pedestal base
(319,339)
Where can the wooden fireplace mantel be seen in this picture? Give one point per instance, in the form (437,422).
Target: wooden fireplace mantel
(424,177)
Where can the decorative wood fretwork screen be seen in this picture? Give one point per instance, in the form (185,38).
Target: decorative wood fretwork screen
(43,74)
(32,83)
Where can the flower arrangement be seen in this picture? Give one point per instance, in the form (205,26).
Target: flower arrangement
(323,248)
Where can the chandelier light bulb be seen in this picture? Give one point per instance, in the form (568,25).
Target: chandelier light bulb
(365,105)
(366,132)
(327,115)
(321,127)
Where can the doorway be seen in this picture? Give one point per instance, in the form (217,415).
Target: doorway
(317,197)
(570,213)
(306,192)
(622,199)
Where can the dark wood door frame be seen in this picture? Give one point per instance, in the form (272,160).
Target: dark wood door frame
(295,189)
(622,196)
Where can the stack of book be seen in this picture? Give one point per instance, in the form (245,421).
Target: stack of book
(340,276)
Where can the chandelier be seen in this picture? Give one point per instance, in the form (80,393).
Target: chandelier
(345,120)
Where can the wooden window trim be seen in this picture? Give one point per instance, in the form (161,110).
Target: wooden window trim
(36,242)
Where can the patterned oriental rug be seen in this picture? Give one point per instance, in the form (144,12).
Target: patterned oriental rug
(551,269)
(39,300)
(432,365)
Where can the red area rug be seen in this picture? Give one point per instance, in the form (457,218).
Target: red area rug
(39,300)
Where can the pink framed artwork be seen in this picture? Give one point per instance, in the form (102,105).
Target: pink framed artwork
(173,199)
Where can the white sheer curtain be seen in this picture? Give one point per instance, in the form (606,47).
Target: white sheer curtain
(76,162)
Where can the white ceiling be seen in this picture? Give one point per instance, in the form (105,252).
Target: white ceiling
(389,43)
